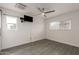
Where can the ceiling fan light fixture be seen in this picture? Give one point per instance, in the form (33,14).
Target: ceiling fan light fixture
(20,6)
(43,14)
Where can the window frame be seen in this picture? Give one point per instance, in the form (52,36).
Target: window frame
(7,24)
(64,25)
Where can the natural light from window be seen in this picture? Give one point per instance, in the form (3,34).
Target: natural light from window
(11,22)
(54,25)
(60,25)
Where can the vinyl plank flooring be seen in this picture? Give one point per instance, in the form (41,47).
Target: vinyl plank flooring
(43,47)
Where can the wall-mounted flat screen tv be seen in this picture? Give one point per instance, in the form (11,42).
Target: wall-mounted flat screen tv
(28,18)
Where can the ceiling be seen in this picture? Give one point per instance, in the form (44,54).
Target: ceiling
(32,10)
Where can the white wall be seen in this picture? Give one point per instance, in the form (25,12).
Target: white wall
(38,28)
(0,30)
(65,36)
(25,33)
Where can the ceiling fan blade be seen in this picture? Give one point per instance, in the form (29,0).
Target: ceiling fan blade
(43,9)
(50,11)
(40,10)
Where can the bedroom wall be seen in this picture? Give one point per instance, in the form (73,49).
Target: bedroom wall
(70,37)
(0,32)
(26,32)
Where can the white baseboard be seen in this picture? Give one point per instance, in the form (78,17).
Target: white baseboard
(64,42)
(21,44)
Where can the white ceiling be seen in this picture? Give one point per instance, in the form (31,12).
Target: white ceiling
(32,10)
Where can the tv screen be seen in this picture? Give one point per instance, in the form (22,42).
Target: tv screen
(28,18)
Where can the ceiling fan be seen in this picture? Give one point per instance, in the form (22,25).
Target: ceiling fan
(43,12)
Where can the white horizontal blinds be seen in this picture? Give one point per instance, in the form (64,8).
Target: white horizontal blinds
(54,25)
(60,25)
(11,22)
(10,19)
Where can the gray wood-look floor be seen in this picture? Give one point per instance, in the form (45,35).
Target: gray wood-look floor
(43,47)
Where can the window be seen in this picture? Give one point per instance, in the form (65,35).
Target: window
(11,22)
(60,25)
(54,25)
